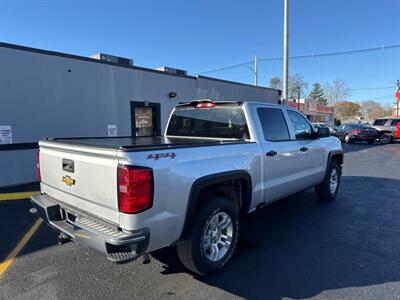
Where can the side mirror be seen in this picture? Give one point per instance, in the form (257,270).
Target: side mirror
(323,132)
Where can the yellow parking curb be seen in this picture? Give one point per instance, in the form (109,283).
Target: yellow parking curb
(16,196)
(11,257)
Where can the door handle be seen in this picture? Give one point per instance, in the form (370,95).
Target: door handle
(303,149)
(271,153)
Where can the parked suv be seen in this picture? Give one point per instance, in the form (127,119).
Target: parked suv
(388,129)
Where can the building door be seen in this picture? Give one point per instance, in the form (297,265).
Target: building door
(145,119)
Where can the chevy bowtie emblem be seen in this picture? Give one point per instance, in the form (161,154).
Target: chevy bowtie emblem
(68,180)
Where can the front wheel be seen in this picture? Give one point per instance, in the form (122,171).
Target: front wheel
(328,188)
(213,237)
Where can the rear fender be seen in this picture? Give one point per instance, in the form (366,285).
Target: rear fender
(204,182)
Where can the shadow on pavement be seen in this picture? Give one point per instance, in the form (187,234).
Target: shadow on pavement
(15,221)
(299,247)
(359,146)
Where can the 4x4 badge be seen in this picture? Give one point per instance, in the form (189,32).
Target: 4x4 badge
(68,180)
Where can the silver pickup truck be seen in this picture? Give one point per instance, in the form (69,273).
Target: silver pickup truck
(125,197)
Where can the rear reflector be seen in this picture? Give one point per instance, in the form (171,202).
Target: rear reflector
(205,105)
(135,189)
(39,176)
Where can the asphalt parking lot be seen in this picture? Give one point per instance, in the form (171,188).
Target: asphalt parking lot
(295,248)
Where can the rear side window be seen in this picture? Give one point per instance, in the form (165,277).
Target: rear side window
(273,124)
(301,127)
(380,122)
(220,121)
(394,122)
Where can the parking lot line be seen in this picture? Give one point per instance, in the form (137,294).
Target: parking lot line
(11,257)
(17,196)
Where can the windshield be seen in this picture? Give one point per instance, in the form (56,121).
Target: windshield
(221,121)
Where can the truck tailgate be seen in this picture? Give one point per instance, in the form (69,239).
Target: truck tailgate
(82,177)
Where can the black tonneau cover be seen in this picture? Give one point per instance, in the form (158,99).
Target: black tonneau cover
(144,143)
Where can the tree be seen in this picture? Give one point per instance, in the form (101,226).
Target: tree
(346,109)
(275,83)
(295,81)
(372,110)
(337,91)
(318,94)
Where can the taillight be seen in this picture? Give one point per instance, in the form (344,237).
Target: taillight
(135,189)
(39,176)
(356,131)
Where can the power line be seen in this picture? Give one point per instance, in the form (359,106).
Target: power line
(327,54)
(383,97)
(373,88)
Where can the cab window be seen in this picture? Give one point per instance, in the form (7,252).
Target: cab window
(301,127)
(273,124)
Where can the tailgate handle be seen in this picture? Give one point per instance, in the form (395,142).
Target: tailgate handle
(68,165)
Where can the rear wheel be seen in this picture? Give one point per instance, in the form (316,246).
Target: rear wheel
(385,138)
(213,237)
(328,188)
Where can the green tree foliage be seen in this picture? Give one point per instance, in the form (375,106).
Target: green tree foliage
(318,94)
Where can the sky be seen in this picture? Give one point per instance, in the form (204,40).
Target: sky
(202,35)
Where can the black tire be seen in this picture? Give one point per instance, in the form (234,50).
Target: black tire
(385,138)
(323,190)
(347,139)
(371,142)
(191,252)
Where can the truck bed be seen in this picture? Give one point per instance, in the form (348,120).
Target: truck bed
(144,143)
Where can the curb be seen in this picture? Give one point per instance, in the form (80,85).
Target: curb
(17,196)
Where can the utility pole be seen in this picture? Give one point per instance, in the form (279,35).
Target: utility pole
(298,97)
(256,70)
(285,51)
(397,97)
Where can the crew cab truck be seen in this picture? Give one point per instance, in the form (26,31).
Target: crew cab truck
(125,197)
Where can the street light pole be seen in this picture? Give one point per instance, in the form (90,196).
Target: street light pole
(285,50)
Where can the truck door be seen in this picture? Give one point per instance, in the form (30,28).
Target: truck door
(311,162)
(279,153)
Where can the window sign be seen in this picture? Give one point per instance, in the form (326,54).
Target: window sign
(5,134)
(111,130)
(144,121)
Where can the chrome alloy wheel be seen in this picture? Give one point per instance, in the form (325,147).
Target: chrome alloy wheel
(333,181)
(218,235)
